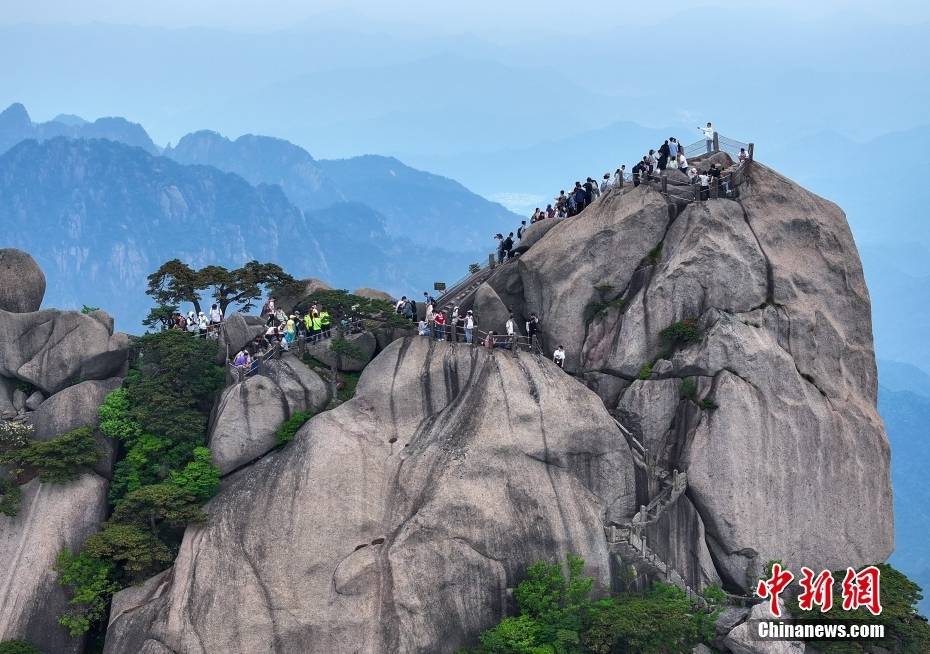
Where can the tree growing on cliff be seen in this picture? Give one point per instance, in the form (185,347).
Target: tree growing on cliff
(175,283)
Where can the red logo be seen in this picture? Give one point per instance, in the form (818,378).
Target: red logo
(860,589)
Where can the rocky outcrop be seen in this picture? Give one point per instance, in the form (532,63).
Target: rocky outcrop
(741,640)
(398,521)
(289,297)
(22,282)
(249,414)
(76,406)
(238,331)
(52,517)
(373,294)
(780,394)
(364,346)
(54,349)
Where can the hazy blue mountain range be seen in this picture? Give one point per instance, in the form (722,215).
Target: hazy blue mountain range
(907,416)
(16,126)
(99,216)
(424,208)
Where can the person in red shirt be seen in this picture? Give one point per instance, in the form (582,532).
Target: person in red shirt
(440,322)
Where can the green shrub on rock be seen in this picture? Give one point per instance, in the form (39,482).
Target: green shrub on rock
(18,647)
(58,460)
(557,615)
(290,427)
(91,583)
(10,496)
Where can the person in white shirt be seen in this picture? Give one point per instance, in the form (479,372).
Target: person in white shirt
(511,327)
(559,356)
(682,162)
(469,326)
(705,185)
(216,316)
(605,185)
(618,175)
(708,136)
(399,307)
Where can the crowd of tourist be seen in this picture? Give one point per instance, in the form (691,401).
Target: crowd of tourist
(454,325)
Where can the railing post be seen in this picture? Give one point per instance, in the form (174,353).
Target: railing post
(665,184)
(714,188)
(716,142)
(621,181)
(751,148)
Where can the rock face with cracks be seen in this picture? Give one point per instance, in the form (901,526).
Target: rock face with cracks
(398,521)
(770,408)
(54,349)
(52,517)
(248,414)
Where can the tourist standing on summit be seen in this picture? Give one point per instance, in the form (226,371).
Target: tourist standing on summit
(708,136)
(663,156)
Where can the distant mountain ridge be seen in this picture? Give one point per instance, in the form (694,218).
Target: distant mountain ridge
(427,209)
(101,214)
(16,126)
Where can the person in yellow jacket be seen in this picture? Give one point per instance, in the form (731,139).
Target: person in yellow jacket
(313,333)
(317,325)
(325,322)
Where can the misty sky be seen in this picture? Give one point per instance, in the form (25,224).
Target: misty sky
(487,17)
(455,87)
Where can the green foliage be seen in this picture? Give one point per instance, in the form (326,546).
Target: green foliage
(661,621)
(645,371)
(25,387)
(558,616)
(10,496)
(135,550)
(58,460)
(160,415)
(341,347)
(680,333)
(906,631)
(708,404)
(688,389)
(18,647)
(86,309)
(91,583)
(161,315)
(172,391)
(473,268)
(347,390)
(342,303)
(599,309)
(175,282)
(159,508)
(714,594)
(114,417)
(200,478)
(289,427)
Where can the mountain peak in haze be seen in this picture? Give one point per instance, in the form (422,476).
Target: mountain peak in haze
(16,126)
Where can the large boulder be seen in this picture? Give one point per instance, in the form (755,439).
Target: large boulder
(290,297)
(249,414)
(22,282)
(781,382)
(52,517)
(365,345)
(399,521)
(238,331)
(741,640)
(74,407)
(54,349)
(373,294)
